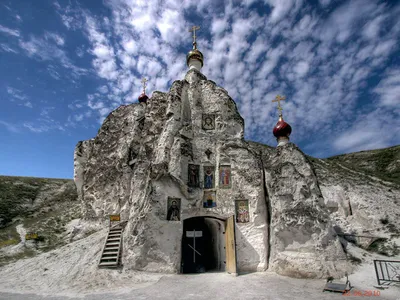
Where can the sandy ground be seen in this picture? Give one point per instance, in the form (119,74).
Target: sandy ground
(71,272)
(267,286)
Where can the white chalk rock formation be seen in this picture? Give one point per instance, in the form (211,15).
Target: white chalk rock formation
(140,160)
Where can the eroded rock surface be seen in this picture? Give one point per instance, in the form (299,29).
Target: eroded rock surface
(140,158)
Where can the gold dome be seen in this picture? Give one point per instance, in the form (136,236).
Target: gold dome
(194,54)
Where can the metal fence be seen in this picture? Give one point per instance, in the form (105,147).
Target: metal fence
(387,271)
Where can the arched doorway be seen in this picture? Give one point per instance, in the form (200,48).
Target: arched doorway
(203,245)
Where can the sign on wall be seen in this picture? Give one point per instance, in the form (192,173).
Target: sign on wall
(115,218)
(31,236)
(194,233)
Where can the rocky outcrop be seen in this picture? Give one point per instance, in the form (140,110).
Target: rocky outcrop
(141,156)
(363,208)
(303,242)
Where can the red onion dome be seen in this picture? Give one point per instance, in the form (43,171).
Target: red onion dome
(143,98)
(282,129)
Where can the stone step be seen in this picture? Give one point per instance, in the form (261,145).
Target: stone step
(108,249)
(112,244)
(110,253)
(113,239)
(109,259)
(108,264)
(114,235)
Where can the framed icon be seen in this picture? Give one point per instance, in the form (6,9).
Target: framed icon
(208,122)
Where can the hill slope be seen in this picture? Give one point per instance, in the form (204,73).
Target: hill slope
(34,205)
(381,163)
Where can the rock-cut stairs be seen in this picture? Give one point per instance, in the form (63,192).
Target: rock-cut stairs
(111,255)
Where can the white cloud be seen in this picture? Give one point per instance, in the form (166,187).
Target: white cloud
(47,49)
(80,51)
(9,31)
(10,127)
(16,93)
(321,62)
(59,40)
(366,133)
(280,8)
(103,89)
(388,89)
(28,104)
(7,48)
(301,68)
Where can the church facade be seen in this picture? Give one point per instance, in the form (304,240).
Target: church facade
(196,196)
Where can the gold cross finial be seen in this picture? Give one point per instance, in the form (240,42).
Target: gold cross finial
(278,99)
(193,29)
(144,80)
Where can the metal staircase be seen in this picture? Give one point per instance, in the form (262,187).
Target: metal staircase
(111,255)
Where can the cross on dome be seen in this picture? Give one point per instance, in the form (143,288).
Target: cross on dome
(194,58)
(143,97)
(144,84)
(282,130)
(193,29)
(278,99)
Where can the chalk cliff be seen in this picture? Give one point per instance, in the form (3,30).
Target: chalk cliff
(145,154)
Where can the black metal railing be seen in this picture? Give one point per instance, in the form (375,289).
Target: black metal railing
(387,271)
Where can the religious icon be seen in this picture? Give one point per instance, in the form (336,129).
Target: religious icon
(174,207)
(208,122)
(209,199)
(242,211)
(208,177)
(225,176)
(193,175)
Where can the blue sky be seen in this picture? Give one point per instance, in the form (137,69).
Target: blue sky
(65,65)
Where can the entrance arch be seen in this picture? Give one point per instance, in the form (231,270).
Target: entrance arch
(203,245)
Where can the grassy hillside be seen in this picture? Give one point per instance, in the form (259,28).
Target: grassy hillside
(381,163)
(19,196)
(38,205)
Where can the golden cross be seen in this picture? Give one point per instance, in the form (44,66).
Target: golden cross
(194,28)
(278,99)
(144,80)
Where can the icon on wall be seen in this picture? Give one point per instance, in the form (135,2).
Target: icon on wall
(209,199)
(174,208)
(209,176)
(242,211)
(208,122)
(225,176)
(193,175)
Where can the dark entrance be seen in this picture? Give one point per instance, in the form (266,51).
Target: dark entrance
(203,245)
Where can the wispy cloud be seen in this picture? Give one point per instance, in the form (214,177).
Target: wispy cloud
(388,89)
(9,31)
(321,57)
(7,48)
(16,93)
(48,48)
(10,127)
